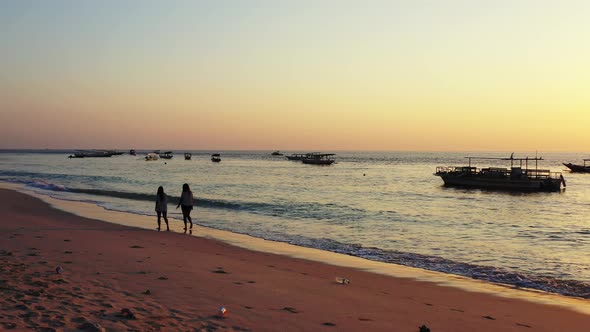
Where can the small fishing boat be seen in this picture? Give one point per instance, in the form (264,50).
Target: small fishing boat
(166,155)
(318,158)
(91,154)
(578,168)
(113,152)
(187,156)
(276,153)
(517,178)
(132,152)
(151,156)
(215,158)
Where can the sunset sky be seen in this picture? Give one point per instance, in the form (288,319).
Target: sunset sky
(296,75)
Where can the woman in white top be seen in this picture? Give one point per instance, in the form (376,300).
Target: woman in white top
(186,202)
(162,206)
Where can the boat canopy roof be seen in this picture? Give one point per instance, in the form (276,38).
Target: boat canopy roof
(509,158)
(215,155)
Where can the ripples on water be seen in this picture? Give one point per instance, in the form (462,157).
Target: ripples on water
(382,206)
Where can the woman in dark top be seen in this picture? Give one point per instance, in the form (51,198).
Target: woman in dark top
(186,202)
(162,206)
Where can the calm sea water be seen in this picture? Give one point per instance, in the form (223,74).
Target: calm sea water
(384,206)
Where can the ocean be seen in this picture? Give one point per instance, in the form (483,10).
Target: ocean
(382,206)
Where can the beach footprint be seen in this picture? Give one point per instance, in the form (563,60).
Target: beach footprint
(291,310)
(220,271)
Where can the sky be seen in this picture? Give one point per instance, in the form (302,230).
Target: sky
(296,75)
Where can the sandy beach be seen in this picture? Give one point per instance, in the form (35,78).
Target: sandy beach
(123,278)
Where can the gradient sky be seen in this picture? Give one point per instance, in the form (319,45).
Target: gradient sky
(296,75)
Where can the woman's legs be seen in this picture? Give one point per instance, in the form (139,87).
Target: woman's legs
(165,215)
(186,215)
(159,214)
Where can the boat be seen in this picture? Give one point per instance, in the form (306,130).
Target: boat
(578,168)
(166,155)
(90,154)
(113,152)
(132,152)
(187,156)
(296,156)
(215,158)
(516,178)
(151,156)
(318,158)
(276,153)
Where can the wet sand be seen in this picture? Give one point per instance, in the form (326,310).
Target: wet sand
(171,281)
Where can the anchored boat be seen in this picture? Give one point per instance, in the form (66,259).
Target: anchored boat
(318,158)
(578,168)
(92,154)
(516,178)
(215,158)
(166,155)
(151,157)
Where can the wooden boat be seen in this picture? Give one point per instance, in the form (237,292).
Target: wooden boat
(276,153)
(151,156)
(187,156)
(113,152)
(318,158)
(91,154)
(215,158)
(132,152)
(578,168)
(166,155)
(516,178)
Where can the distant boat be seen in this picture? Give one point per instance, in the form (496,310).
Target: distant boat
(318,158)
(276,153)
(516,178)
(151,156)
(91,154)
(114,152)
(187,156)
(297,156)
(132,152)
(578,168)
(166,155)
(215,158)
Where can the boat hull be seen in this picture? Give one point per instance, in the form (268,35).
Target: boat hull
(577,168)
(317,162)
(548,184)
(91,155)
(296,158)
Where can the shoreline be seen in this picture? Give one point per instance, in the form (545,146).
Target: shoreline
(189,277)
(93,211)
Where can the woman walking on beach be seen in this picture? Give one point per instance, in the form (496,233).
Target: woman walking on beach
(186,201)
(162,206)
